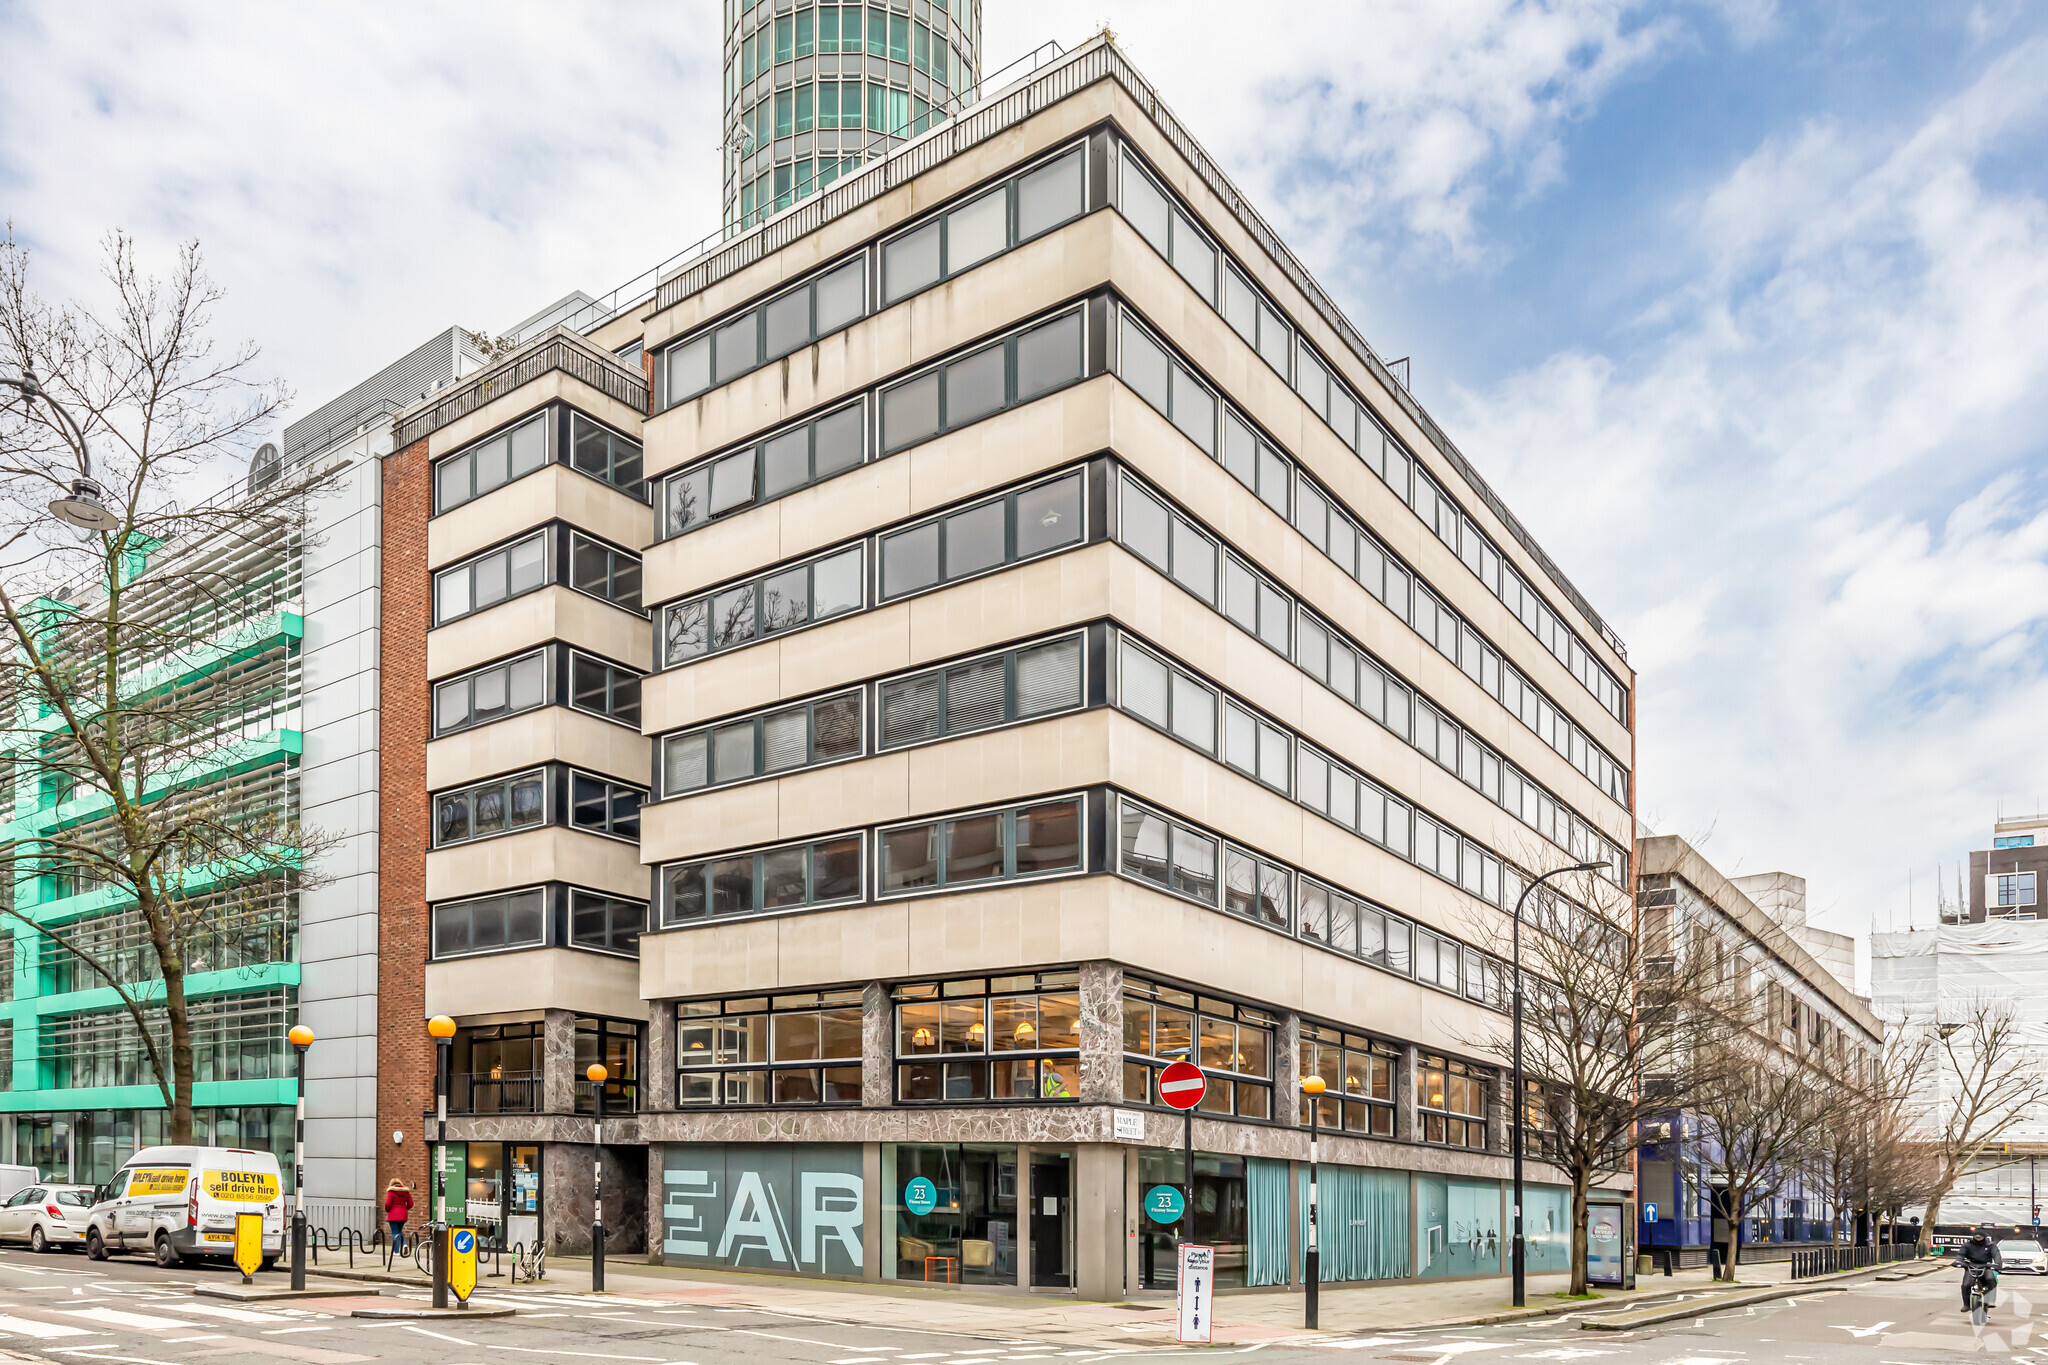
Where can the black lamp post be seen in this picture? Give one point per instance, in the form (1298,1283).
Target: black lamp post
(597,1075)
(301,1038)
(1515,1105)
(442,1029)
(1312,1269)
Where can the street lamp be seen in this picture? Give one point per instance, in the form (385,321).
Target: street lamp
(1515,1106)
(1312,1269)
(85,507)
(597,1075)
(442,1029)
(301,1038)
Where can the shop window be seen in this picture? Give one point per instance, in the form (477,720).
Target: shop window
(1007,1039)
(796,1050)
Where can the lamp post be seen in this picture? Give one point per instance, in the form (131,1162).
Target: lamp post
(301,1038)
(442,1029)
(1515,1098)
(597,1075)
(85,506)
(1312,1268)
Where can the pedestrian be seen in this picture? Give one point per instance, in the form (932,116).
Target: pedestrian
(397,1208)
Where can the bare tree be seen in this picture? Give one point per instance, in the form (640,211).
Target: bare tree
(1899,1168)
(1989,1079)
(1616,1025)
(147,656)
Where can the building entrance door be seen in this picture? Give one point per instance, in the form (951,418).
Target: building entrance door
(1052,1219)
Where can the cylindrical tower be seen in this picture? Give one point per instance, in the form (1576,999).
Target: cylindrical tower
(813,89)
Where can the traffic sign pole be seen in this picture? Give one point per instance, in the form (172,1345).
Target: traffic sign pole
(1182,1085)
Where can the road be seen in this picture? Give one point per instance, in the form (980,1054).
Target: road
(64,1310)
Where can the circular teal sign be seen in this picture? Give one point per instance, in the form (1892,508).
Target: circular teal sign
(1163,1204)
(920,1196)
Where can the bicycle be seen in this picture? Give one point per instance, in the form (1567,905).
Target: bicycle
(1983,1282)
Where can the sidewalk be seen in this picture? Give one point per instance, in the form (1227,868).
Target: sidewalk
(1241,1318)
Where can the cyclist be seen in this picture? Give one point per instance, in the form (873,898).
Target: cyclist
(1979,1256)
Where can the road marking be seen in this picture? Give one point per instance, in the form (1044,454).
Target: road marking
(29,1327)
(208,1310)
(859,1360)
(440,1336)
(141,1321)
(211,1336)
(1860,1331)
(287,1331)
(581,1355)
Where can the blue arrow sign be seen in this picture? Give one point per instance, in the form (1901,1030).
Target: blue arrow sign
(465,1240)
(920,1196)
(1163,1204)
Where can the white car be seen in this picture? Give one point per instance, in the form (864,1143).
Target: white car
(2023,1256)
(46,1215)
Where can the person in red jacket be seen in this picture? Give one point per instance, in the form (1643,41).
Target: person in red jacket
(397,1208)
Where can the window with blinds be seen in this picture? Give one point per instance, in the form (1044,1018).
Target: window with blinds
(976,694)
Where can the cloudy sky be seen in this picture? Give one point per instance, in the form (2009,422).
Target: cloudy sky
(1744,306)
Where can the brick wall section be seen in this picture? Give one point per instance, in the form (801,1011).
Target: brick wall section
(405,1074)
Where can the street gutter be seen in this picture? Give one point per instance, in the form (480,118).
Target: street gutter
(1651,1315)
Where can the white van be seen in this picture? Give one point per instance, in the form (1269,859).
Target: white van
(175,1202)
(15,1179)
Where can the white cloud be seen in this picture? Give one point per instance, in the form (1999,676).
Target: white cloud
(1809,494)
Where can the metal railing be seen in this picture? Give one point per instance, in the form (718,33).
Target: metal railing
(507,1092)
(528,1263)
(1831,1260)
(558,349)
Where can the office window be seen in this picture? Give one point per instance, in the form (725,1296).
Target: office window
(603,572)
(1171,232)
(774,742)
(985,226)
(1254,463)
(604,454)
(2013,841)
(782,599)
(1358,1080)
(995,689)
(491,693)
(790,877)
(490,924)
(1171,387)
(604,689)
(1232,1043)
(491,463)
(1255,603)
(781,463)
(1256,889)
(1002,1038)
(1156,848)
(1451,1100)
(607,924)
(487,580)
(1176,701)
(2016,888)
(1001,530)
(1257,748)
(500,806)
(976,385)
(998,845)
(802,1049)
(768,331)
(603,806)
(1168,541)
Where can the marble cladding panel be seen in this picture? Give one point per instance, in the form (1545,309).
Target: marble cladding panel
(1287,1070)
(658,1067)
(877,1047)
(558,1061)
(1497,1109)
(1102,1032)
(1404,1096)
(566,1198)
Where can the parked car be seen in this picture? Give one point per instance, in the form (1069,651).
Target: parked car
(46,1215)
(174,1202)
(2023,1256)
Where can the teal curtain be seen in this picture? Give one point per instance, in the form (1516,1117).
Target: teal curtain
(1266,1201)
(1362,1222)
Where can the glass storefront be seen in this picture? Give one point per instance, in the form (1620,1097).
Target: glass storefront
(1457,1226)
(969,1235)
(87,1146)
(1218,1215)
(501,1193)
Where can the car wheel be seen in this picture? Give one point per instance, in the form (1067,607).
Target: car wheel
(37,1242)
(95,1249)
(166,1254)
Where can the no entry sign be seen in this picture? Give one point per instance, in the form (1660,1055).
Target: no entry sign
(1182,1085)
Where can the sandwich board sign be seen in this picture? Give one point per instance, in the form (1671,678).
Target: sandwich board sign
(1196,1292)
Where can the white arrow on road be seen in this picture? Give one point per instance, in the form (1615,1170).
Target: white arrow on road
(1860,1331)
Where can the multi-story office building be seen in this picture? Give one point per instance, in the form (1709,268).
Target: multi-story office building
(2005,879)
(989,631)
(813,92)
(1810,1012)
